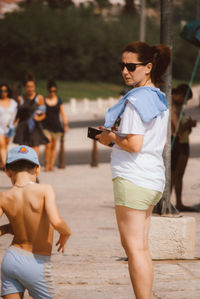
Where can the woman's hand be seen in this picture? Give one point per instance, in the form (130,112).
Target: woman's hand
(39,117)
(66,127)
(105,137)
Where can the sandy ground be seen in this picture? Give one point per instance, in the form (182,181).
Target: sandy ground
(91,267)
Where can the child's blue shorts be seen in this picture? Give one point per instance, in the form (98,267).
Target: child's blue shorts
(21,269)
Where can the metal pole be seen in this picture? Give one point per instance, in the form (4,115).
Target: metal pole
(142,20)
(94,162)
(62,152)
(197,9)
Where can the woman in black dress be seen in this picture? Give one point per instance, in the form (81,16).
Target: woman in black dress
(52,125)
(31,111)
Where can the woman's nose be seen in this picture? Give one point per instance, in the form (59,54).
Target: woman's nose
(125,71)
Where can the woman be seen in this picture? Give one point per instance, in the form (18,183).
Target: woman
(52,125)
(180,142)
(31,111)
(139,130)
(8,109)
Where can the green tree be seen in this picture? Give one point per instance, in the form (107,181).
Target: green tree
(59,3)
(102,3)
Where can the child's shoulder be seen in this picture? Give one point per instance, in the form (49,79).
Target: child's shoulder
(44,187)
(3,196)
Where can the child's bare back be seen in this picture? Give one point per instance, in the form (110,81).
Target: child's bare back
(28,209)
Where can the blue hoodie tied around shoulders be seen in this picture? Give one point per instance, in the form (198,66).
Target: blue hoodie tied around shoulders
(148,101)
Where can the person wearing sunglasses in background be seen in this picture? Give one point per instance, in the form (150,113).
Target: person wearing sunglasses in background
(138,124)
(8,110)
(52,126)
(31,112)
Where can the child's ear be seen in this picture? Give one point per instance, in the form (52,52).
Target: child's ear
(37,170)
(8,173)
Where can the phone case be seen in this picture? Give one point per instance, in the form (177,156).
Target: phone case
(92,132)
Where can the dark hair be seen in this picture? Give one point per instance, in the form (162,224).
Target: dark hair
(50,84)
(29,78)
(21,165)
(183,89)
(159,56)
(8,88)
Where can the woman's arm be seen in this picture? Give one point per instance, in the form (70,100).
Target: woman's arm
(130,143)
(18,105)
(36,117)
(64,118)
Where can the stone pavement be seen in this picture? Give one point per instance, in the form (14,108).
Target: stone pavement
(91,267)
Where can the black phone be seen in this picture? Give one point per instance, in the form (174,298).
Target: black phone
(92,132)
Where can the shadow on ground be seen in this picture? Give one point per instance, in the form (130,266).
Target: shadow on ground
(80,157)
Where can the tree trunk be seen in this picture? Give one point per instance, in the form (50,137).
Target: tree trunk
(142,20)
(197,9)
(165,207)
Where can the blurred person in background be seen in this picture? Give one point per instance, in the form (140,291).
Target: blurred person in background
(180,145)
(8,110)
(52,126)
(31,112)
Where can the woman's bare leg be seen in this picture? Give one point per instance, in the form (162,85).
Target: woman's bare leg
(133,227)
(48,155)
(147,227)
(36,148)
(3,149)
(53,153)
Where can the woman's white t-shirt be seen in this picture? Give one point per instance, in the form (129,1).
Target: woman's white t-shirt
(145,168)
(7,116)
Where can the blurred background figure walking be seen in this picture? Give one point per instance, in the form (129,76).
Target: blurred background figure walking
(180,146)
(53,127)
(8,109)
(31,111)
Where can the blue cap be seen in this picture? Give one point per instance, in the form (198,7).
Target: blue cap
(22,152)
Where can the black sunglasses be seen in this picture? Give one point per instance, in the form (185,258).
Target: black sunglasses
(131,67)
(3,90)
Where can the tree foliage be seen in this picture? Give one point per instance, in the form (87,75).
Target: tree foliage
(75,44)
(67,44)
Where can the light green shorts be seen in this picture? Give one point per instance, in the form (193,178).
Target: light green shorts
(49,134)
(133,196)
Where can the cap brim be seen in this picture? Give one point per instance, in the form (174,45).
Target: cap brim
(36,164)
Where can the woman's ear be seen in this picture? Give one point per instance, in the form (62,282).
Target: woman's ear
(148,68)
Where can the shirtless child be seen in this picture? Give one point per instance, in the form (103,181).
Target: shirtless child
(33,216)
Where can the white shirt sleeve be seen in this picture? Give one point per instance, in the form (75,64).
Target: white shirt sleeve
(131,122)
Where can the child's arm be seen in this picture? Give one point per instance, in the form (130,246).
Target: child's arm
(56,221)
(6,229)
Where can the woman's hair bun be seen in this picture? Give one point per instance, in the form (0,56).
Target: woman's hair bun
(29,78)
(50,84)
